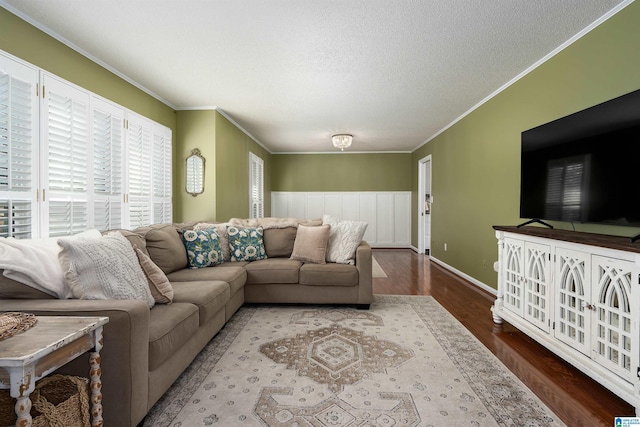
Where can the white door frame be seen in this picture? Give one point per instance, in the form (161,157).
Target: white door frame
(424,175)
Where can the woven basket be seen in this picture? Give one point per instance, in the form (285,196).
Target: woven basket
(57,401)
(14,322)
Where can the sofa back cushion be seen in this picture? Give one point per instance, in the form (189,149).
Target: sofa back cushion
(135,239)
(164,245)
(278,242)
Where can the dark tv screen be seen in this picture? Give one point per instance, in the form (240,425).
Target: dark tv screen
(585,167)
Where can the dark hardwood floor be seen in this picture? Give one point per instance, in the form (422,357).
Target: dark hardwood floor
(571,395)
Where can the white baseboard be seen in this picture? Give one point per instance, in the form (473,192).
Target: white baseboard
(465,276)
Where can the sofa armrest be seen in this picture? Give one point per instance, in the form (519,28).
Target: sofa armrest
(124,357)
(365,279)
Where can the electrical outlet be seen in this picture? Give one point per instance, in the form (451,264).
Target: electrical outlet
(445,247)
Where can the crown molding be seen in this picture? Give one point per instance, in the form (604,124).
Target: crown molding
(239,126)
(342,152)
(535,65)
(82,52)
(203,108)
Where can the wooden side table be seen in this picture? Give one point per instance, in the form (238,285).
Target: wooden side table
(52,342)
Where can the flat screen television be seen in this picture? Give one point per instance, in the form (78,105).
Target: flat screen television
(584,167)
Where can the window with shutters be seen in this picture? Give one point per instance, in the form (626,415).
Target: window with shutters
(77,167)
(19,121)
(256,186)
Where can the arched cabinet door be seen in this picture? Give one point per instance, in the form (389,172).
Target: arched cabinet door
(613,341)
(573,300)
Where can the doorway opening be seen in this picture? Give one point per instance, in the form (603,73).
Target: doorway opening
(425,200)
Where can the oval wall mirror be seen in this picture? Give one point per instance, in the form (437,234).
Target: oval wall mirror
(195,173)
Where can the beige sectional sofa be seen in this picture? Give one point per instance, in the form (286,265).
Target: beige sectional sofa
(145,350)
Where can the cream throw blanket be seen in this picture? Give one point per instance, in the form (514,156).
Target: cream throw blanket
(267,223)
(34,262)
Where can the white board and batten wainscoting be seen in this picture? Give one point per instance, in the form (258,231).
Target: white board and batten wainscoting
(388,213)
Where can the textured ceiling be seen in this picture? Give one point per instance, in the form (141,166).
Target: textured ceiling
(291,73)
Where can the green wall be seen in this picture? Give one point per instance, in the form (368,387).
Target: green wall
(28,43)
(196,129)
(476,162)
(232,170)
(21,39)
(341,172)
(226,181)
(226,150)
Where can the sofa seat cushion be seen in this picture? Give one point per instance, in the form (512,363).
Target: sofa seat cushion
(329,274)
(234,264)
(170,327)
(210,296)
(273,270)
(235,276)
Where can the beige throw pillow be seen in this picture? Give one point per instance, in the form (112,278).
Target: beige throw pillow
(311,244)
(159,285)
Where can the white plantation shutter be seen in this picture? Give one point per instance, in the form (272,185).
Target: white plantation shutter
(16,218)
(66,147)
(18,149)
(67,163)
(256,186)
(108,169)
(162,207)
(139,155)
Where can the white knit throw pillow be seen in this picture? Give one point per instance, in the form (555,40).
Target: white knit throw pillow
(103,268)
(344,238)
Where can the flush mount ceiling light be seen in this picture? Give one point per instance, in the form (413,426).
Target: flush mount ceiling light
(342,141)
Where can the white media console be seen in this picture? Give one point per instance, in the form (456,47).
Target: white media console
(577,294)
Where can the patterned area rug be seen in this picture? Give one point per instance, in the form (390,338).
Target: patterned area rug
(404,362)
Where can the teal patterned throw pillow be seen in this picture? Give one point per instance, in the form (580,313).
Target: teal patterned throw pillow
(203,247)
(246,244)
